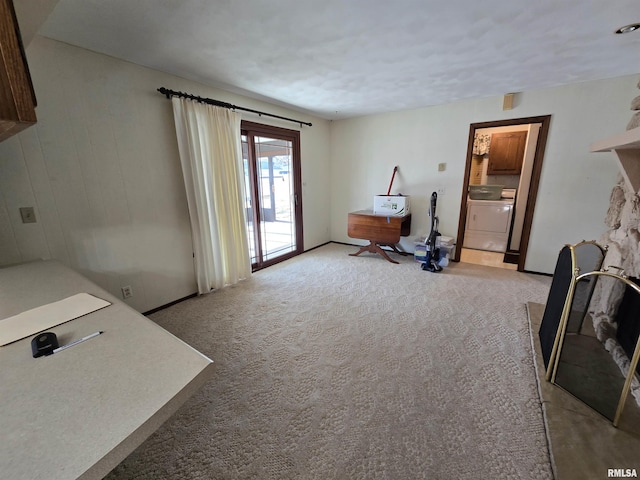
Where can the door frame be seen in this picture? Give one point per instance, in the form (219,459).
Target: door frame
(296,164)
(541,144)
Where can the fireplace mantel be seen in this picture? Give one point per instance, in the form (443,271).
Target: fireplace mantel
(627,147)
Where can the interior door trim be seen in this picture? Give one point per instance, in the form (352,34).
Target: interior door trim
(545,121)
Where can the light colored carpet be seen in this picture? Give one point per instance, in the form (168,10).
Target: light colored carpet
(339,367)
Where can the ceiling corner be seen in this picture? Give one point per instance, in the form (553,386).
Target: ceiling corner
(31,15)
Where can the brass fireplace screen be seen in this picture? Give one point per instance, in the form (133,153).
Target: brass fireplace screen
(590,329)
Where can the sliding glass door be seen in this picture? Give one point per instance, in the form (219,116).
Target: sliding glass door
(273,184)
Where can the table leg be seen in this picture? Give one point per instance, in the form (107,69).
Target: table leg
(374,248)
(395,249)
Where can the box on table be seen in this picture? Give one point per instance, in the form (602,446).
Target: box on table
(396,205)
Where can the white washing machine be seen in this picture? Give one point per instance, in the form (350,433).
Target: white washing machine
(489,222)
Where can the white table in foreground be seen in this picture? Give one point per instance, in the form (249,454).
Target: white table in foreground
(80,412)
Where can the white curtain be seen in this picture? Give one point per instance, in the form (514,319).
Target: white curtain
(213,171)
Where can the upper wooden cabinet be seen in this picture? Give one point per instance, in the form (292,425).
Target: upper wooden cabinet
(17,98)
(506,153)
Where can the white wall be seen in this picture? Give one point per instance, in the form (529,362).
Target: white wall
(101,168)
(574,190)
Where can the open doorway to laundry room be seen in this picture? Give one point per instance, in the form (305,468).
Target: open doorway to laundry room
(496,232)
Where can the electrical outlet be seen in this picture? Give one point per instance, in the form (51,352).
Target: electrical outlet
(441,191)
(442,167)
(127,292)
(28,214)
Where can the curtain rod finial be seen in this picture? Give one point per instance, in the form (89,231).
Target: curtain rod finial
(165,92)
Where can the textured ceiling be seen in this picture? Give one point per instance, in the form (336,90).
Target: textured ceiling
(343,58)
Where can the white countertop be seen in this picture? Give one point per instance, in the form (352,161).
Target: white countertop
(80,412)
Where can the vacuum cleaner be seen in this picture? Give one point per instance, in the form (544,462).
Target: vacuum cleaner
(433,252)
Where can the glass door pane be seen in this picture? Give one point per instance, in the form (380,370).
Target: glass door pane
(277,221)
(272,176)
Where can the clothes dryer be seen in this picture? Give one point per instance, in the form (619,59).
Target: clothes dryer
(488,224)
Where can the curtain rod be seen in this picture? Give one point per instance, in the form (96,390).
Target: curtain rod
(171,93)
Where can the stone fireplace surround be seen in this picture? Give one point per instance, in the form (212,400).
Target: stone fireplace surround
(622,241)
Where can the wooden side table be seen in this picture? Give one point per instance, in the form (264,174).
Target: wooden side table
(381,231)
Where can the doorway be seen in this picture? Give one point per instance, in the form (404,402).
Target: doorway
(524,205)
(273,182)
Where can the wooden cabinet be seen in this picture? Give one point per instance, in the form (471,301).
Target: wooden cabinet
(17,98)
(506,153)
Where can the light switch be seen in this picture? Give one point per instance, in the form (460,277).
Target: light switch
(28,215)
(442,167)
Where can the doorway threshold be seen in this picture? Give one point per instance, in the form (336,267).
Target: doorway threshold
(486,258)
